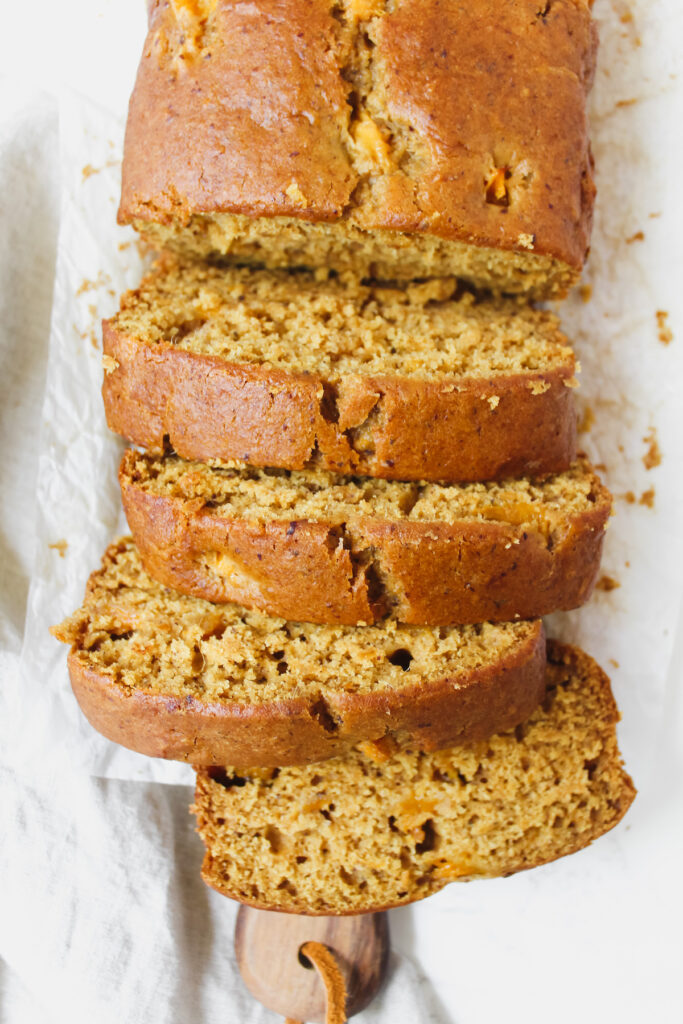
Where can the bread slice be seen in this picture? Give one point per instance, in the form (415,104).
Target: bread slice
(318,548)
(177,677)
(367,831)
(278,369)
(397,140)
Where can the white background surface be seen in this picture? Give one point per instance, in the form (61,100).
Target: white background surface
(103,916)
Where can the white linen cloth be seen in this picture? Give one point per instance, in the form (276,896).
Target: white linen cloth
(102,914)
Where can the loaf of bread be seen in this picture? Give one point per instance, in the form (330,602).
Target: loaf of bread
(403,140)
(279,369)
(370,830)
(177,677)
(313,547)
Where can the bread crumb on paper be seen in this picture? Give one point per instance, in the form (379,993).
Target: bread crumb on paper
(647,498)
(653,455)
(638,237)
(88,285)
(60,546)
(664,332)
(607,583)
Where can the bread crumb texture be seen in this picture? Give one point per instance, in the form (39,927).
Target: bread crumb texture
(545,505)
(338,327)
(367,831)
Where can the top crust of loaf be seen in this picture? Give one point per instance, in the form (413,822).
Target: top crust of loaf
(453,124)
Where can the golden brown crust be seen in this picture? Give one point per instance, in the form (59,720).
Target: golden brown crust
(230,131)
(607,786)
(296,730)
(420,572)
(205,407)
(263,117)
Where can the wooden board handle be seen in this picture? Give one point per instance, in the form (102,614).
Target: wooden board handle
(268,945)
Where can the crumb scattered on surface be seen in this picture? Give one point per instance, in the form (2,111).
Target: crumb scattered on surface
(587,421)
(60,546)
(614,662)
(626,103)
(586,292)
(664,332)
(607,583)
(630,497)
(122,246)
(647,498)
(88,285)
(653,455)
(653,216)
(89,170)
(638,237)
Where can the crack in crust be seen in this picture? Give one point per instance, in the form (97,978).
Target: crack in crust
(390,99)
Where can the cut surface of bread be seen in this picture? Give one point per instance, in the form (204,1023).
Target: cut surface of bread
(281,369)
(314,547)
(178,677)
(408,139)
(372,830)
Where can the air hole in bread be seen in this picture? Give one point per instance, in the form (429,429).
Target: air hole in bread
(401,657)
(429,837)
(220,776)
(273,837)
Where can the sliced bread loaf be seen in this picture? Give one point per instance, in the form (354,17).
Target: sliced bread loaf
(367,831)
(399,140)
(177,677)
(313,547)
(280,369)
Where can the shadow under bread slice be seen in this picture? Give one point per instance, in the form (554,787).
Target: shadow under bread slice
(281,369)
(178,677)
(368,831)
(311,546)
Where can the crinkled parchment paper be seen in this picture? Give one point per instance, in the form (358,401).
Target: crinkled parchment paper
(629,397)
